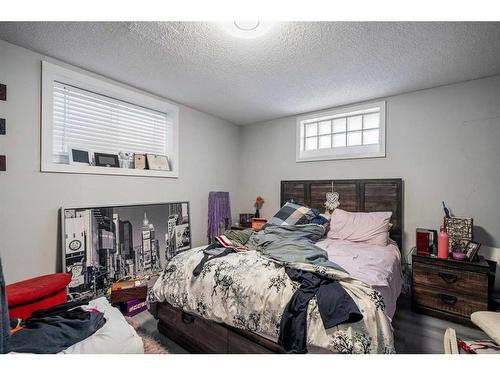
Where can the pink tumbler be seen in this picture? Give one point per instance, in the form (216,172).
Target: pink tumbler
(443,243)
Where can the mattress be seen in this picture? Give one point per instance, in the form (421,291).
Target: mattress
(115,337)
(250,292)
(377,266)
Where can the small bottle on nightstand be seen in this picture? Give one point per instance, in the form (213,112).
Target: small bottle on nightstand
(443,243)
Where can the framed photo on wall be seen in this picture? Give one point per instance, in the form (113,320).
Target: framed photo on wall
(105,244)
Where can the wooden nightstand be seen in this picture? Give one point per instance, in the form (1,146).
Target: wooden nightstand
(449,289)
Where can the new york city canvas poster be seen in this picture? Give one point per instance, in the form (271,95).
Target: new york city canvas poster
(102,245)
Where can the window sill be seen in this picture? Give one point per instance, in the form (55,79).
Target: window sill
(82,169)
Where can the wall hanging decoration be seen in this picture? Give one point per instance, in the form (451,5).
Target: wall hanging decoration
(102,245)
(3,126)
(332,200)
(3,92)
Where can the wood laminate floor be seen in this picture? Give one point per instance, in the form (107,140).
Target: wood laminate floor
(414,333)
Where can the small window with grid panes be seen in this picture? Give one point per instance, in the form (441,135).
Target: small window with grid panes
(354,132)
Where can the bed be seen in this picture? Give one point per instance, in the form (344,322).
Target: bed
(237,308)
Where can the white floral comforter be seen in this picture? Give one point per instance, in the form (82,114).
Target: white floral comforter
(250,292)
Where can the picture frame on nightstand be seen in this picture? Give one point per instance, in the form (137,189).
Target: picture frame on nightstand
(471,250)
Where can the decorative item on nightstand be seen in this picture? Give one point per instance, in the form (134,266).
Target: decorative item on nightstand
(459,231)
(443,243)
(471,250)
(426,242)
(246,220)
(259,202)
(258,223)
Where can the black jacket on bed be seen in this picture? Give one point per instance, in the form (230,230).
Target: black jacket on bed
(335,307)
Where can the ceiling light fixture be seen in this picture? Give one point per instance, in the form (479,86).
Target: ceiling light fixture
(246,29)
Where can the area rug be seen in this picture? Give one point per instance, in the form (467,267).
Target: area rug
(151,344)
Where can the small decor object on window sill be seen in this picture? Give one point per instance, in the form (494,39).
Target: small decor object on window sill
(140,161)
(259,202)
(157,162)
(106,160)
(471,250)
(126,160)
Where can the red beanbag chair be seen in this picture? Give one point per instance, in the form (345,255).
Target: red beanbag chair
(38,293)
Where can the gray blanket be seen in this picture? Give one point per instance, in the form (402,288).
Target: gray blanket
(292,244)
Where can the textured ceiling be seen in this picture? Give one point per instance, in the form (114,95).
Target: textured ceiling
(297,67)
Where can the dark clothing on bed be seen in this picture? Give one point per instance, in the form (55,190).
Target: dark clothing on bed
(54,330)
(211,252)
(335,307)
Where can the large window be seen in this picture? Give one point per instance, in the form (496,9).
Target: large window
(347,133)
(89,116)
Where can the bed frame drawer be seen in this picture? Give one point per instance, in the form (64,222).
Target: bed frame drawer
(198,335)
(451,279)
(195,334)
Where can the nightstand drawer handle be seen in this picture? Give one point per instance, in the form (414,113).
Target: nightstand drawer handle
(186,318)
(448,277)
(449,300)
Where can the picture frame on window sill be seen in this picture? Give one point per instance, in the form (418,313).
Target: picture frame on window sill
(140,161)
(471,250)
(80,156)
(157,162)
(106,160)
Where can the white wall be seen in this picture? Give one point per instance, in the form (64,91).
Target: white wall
(443,142)
(29,200)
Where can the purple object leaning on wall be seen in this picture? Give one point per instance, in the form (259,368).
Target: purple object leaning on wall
(219,210)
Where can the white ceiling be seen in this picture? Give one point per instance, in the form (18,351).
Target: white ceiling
(297,67)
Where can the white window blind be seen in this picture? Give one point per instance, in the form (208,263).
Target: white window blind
(353,132)
(91,121)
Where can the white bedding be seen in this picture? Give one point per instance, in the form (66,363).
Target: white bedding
(115,337)
(377,266)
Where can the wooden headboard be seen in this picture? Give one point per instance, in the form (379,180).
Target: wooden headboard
(354,195)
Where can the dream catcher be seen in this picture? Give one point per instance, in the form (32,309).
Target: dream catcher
(332,200)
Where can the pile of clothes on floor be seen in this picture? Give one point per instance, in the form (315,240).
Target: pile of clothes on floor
(93,327)
(55,329)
